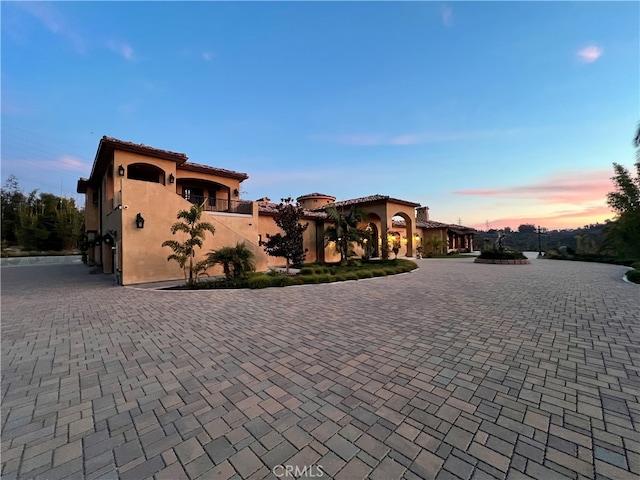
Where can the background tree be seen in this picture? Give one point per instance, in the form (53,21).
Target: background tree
(184,252)
(39,221)
(525,228)
(12,199)
(288,245)
(345,232)
(624,232)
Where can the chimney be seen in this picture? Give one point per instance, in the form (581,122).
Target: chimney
(422,214)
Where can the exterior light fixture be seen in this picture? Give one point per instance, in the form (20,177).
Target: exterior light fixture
(171,178)
(235,192)
(121,171)
(139,221)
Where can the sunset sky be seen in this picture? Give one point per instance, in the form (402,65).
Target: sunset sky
(497,113)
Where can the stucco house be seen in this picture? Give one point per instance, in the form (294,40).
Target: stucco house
(135,191)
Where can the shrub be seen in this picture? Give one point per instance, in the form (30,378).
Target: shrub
(633,276)
(365,274)
(379,273)
(311,278)
(636,265)
(351,276)
(262,281)
(281,281)
(324,278)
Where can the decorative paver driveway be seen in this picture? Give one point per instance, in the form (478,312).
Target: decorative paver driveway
(456,370)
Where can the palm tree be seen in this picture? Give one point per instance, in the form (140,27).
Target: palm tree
(223,256)
(243,260)
(345,232)
(435,245)
(238,259)
(186,251)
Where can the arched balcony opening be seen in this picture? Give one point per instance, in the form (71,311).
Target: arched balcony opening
(146,172)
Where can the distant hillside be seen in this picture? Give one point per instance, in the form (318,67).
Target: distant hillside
(586,239)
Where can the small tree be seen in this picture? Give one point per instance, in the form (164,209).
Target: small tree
(395,247)
(288,245)
(185,252)
(345,232)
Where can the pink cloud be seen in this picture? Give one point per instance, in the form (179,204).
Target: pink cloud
(560,220)
(574,188)
(590,53)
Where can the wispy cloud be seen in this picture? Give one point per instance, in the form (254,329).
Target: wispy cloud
(447,16)
(122,48)
(560,187)
(208,56)
(65,162)
(127,108)
(590,53)
(370,140)
(54,21)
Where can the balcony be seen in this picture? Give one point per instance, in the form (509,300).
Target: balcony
(222,205)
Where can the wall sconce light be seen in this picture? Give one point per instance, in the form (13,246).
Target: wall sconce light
(139,221)
(121,171)
(235,192)
(171,178)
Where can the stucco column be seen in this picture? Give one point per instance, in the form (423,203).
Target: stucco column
(409,233)
(384,227)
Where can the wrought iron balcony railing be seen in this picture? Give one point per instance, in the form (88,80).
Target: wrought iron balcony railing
(224,205)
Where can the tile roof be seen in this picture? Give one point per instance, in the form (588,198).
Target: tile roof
(270,208)
(198,167)
(315,194)
(142,148)
(433,224)
(369,199)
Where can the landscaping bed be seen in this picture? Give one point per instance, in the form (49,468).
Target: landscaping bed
(309,274)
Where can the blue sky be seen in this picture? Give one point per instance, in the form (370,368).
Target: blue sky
(500,112)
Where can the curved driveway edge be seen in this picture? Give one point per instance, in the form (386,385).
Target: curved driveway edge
(459,370)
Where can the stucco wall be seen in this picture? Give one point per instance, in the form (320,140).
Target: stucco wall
(143,257)
(91,211)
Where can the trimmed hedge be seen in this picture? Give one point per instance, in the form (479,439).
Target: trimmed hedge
(633,276)
(489,255)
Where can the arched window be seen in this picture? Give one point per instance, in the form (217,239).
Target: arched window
(145,172)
